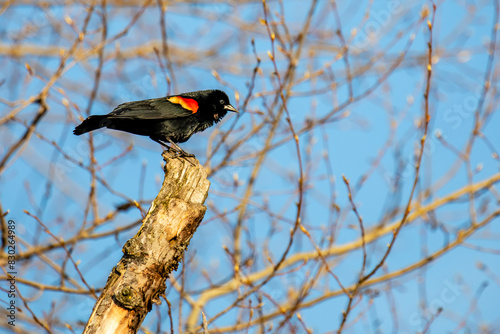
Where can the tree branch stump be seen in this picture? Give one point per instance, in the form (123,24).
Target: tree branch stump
(138,280)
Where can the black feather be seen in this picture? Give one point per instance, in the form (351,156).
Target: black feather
(161,119)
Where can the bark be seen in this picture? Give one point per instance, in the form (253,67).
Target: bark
(138,280)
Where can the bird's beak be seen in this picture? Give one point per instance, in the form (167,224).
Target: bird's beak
(229,107)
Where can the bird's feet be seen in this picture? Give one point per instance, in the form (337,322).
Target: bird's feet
(179,154)
(175,150)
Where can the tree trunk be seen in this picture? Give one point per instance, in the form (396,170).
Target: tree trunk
(138,280)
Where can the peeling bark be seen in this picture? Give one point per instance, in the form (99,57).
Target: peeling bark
(138,280)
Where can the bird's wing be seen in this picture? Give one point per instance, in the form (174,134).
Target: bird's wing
(169,107)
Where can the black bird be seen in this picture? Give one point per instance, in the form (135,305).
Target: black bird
(173,119)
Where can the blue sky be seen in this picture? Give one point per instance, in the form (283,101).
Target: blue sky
(461,39)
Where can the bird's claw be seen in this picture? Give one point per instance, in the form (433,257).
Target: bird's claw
(181,154)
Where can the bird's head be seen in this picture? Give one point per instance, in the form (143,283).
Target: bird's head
(214,104)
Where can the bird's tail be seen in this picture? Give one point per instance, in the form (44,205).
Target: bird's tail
(91,123)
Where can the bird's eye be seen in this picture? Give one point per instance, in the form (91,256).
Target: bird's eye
(222,102)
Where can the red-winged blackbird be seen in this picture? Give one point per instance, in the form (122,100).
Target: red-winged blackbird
(172,119)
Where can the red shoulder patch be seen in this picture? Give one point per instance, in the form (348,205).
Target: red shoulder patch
(188,104)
